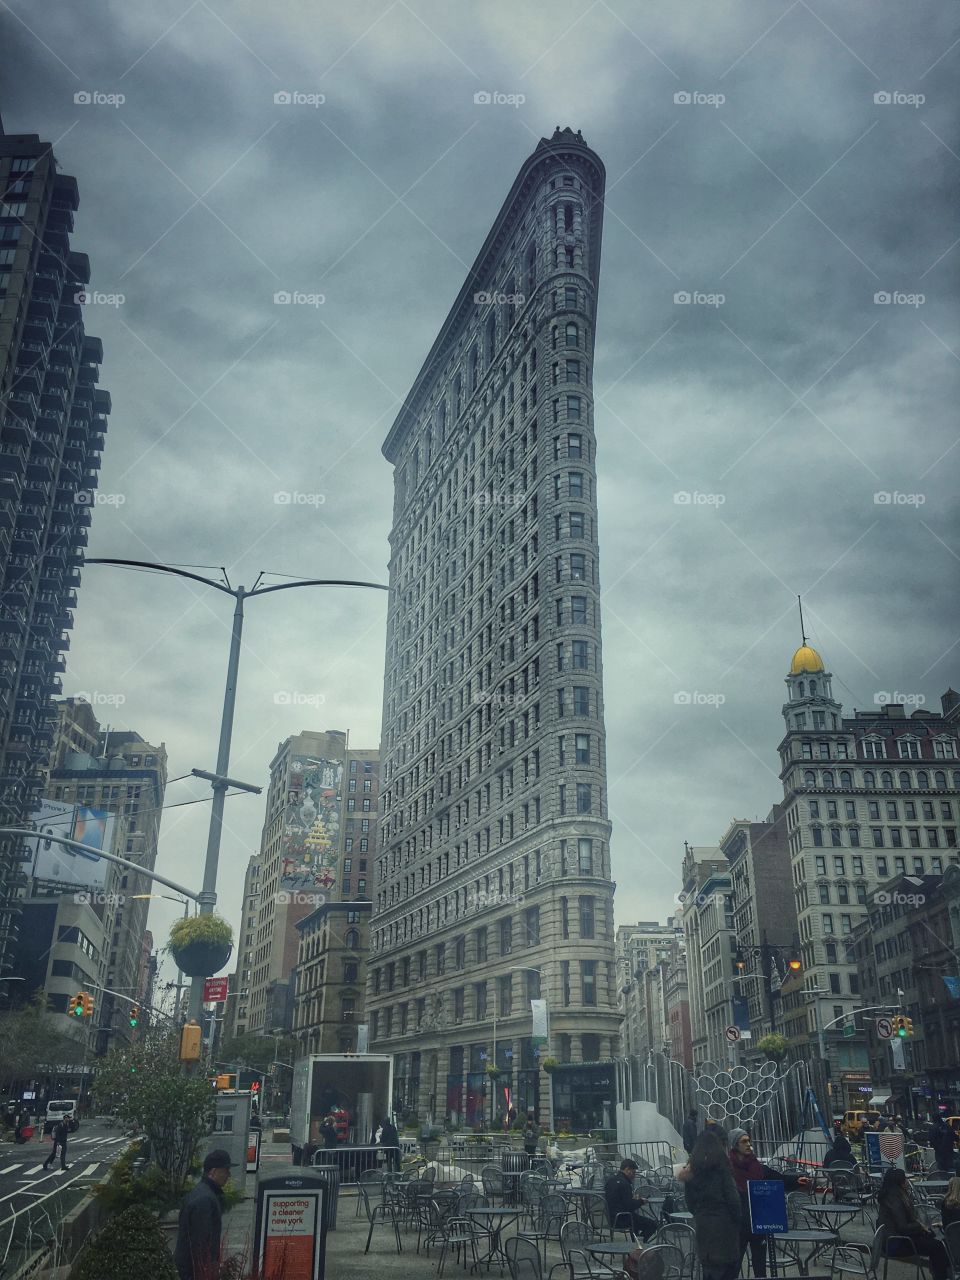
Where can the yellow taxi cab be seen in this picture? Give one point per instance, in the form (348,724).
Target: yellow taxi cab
(953,1122)
(853,1122)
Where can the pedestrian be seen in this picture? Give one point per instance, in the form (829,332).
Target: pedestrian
(689,1134)
(714,1201)
(840,1153)
(58,1137)
(328,1133)
(197,1254)
(716,1127)
(530,1137)
(390,1140)
(944,1143)
(897,1214)
(747,1168)
(622,1203)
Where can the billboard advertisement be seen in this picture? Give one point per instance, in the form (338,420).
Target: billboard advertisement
(91,827)
(310,846)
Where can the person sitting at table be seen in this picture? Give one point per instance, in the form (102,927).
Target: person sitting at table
(714,1201)
(747,1168)
(950,1209)
(898,1215)
(841,1153)
(623,1207)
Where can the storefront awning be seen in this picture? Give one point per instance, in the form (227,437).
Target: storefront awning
(878,1100)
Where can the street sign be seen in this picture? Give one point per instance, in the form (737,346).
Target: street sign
(885,1028)
(849,1029)
(896,1053)
(215,989)
(732,1034)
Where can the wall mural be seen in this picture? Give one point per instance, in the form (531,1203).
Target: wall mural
(310,848)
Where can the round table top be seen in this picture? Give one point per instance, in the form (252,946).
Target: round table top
(684,1215)
(581,1191)
(612,1246)
(804,1237)
(830,1210)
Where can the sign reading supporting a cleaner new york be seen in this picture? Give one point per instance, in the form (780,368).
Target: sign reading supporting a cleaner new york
(768,1206)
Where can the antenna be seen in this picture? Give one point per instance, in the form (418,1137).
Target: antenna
(803,636)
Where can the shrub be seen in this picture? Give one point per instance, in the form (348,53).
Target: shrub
(209,929)
(130,1245)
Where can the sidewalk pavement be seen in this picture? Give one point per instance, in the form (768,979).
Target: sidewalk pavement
(347,1261)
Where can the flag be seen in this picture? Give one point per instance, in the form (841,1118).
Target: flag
(541,1024)
(952,985)
(775,983)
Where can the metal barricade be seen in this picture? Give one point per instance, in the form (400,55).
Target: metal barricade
(349,1162)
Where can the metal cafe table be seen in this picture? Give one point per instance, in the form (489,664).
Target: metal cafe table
(494,1221)
(580,1197)
(830,1217)
(605,1249)
(819,1239)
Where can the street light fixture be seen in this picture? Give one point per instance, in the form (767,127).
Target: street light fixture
(219,780)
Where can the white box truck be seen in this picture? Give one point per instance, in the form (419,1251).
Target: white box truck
(356,1089)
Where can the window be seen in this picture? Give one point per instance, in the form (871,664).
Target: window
(872,749)
(827,923)
(824,891)
(573,408)
(584,800)
(817,833)
(505,996)
(350,970)
(460,952)
(579,657)
(531,924)
(574,440)
(576,524)
(588,981)
(458,1003)
(909,749)
(585,856)
(814,807)
(575,484)
(481,944)
(587,924)
(572,335)
(506,936)
(578,561)
(581,700)
(820,864)
(573,370)
(578,609)
(480,1000)
(882,871)
(441,955)
(582,741)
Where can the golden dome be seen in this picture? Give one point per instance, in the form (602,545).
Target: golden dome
(806,659)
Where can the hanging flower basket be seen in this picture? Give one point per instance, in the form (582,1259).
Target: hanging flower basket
(201,945)
(550,1064)
(494,1072)
(773,1046)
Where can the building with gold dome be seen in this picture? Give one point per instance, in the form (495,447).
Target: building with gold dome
(866,798)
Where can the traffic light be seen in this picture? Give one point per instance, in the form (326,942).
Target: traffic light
(190,1038)
(87,1005)
(739,961)
(77,1003)
(903,1026)
(255,1087)
(908,1023)
(134,1015)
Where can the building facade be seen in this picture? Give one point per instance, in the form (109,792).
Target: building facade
(866,797)
(331,979)
(710,943)
(493,882)
(319,845)
(237,1011)
(640,948)
(126,777)
(764,916)
(53,418)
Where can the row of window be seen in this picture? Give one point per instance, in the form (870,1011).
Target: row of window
(944,748)
(827,780)
(891,838)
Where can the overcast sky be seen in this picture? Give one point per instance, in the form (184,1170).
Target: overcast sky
(782,399)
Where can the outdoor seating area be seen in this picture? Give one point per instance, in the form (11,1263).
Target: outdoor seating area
(550,1223)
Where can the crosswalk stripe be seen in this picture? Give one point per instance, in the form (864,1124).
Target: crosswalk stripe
(35,1170)
(91,1168)
(11,1168)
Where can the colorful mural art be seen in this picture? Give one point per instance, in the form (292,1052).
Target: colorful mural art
(310,849)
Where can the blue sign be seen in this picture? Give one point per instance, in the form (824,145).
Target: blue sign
(741,1012)
(768,1206)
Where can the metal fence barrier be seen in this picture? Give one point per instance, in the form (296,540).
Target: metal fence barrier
(349,1162)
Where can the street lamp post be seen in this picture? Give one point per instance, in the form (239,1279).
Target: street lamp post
(219,780)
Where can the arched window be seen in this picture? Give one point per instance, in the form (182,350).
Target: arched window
(956,779)
(801,688)
(813,688)
(940,780)
(886,781)
(923,780)
(809,778)
(568,217)
(572,333)
(352,939)
(828,777)
(869,778)
(846,781)
(904,779)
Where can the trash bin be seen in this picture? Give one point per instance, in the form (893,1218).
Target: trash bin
(331,1176)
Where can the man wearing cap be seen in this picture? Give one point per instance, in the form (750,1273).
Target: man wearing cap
(197,1255)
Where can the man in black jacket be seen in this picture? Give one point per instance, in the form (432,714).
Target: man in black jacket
(197,1255)
(622,1209)
(59,1138)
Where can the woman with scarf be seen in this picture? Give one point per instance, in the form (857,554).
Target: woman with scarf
(897,1214)
(747,1168)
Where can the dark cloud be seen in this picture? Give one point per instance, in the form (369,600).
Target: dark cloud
(781,410)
